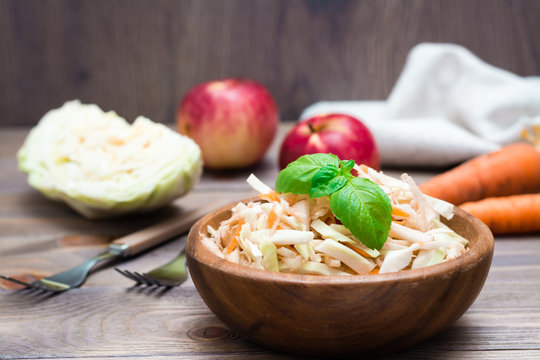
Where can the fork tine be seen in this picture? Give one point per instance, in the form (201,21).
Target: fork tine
(142,278)
(139,278)
(169,275)
(160,282)
(36,285)
(28,285)
(155,281)
(39,286)
(147,280)
(121,272)
(152,280)
(128,275)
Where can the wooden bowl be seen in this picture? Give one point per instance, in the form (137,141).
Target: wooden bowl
(340,315)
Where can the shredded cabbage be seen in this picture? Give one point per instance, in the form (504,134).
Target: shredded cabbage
(293,233)
(102,166)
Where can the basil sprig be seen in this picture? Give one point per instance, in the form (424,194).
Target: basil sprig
(360,204)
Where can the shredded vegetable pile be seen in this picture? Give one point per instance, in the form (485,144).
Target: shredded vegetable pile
(285,232)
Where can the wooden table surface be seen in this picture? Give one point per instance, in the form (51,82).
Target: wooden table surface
(109,318)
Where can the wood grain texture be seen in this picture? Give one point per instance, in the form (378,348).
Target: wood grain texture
(107,318)
(140,58)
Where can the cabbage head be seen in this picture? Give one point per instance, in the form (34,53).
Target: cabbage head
(102,166)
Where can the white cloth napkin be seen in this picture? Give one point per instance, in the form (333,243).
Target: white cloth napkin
(446,107)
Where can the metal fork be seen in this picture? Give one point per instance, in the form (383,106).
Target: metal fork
(125,246)
(171,274)
(70,278)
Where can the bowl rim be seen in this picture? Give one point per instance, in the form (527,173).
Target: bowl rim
(483,247)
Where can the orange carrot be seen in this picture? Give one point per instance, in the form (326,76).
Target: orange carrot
(514,169)
(508,214)
(272,218)
(398,212)
(374,271)
(271,196)
(234,241)
(364,168)
(357,250)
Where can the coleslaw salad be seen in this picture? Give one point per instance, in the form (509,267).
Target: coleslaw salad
(285,232)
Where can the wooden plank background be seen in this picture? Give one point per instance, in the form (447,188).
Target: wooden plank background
(141,56)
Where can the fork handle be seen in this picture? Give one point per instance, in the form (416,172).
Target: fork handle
(156,234)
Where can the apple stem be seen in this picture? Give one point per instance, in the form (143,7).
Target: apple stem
(311,128)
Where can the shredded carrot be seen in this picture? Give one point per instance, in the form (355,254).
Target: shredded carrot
(232,245)
(290,198)
(374,271)
(272,218)
(512,170)
(358,250)
(398,212)
(507,214)
(234,241)
(271,196)
(364,168)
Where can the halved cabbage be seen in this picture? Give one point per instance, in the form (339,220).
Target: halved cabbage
(102,166)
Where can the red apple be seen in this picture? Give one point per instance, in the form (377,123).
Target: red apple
(339,134)
(233,121)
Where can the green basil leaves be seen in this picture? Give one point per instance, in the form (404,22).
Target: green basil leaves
(361,205)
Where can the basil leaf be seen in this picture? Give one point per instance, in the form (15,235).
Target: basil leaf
(325,174)
(346,166)
(365,209)
(296,177)
(326,181)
